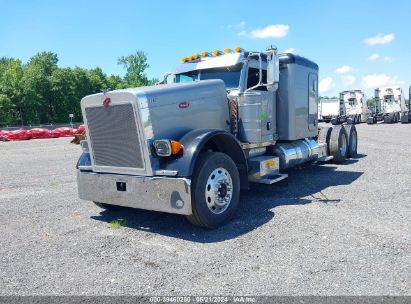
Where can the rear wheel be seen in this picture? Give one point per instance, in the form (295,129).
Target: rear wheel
(215,190)
(339,144)
(352,140)
(324,137)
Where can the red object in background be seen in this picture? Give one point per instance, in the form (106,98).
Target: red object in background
(65,132)
(80,130)
(40,133)
(55,133)
(16,135)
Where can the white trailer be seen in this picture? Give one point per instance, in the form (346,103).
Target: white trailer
(328,108)
(389,105)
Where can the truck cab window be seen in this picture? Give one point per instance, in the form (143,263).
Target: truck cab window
(253,78)
(230,75)
(186,77)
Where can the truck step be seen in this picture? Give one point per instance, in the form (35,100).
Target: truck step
(270,179)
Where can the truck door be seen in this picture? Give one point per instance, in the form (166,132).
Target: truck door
(312,101)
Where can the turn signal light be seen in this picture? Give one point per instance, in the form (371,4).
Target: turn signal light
(176,147)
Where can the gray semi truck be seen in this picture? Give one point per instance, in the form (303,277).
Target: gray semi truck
(220,121)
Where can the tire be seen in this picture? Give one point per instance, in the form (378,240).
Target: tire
(352,140)
(388,119)
(324,137)
(339,144)
(371,120)
(405,118)
(335,121)
(214,170)
(106,206)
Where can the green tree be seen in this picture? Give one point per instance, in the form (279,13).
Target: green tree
(135,65)
(38,96)
(11,91)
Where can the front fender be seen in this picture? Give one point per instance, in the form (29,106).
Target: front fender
(196,141)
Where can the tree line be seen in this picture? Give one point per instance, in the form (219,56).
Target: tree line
(40,92)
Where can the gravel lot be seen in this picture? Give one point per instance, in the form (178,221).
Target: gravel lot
(332,230)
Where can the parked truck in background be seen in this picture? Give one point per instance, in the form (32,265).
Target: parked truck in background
(406,114)
(389,105)
(222,120)
(328,108)
(350,107)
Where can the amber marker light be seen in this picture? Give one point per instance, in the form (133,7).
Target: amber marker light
(176,147)
(216,52)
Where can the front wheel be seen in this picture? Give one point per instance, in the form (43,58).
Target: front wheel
(215,190)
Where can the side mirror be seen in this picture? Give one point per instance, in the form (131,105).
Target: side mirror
(273,69)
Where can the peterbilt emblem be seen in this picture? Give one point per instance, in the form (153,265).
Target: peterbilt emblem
(106,102)
(184,105)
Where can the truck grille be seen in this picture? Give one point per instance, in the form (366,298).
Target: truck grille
(114,136)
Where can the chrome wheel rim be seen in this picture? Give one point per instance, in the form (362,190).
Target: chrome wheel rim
(353,141)
(219,190)
(343,148)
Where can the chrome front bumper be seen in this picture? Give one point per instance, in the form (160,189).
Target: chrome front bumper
(172,195)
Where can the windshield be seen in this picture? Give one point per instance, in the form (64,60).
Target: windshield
(230,75)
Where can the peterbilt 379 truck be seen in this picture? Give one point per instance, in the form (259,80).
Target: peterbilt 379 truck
(189,146)
(389,105)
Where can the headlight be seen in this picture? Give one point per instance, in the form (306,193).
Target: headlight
(165,147)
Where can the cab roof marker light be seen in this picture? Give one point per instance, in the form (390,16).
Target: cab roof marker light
(237,49)
(205,54)
(196,56)
(184,59)
(227,50)
(216,52)
(190,58)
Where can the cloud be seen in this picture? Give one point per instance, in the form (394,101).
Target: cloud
(348,80)
(326,84)
(237,26)
(374,57)
(343,69)
(270,31)
(380,80)
(290,50)
(380,39)
(387,58)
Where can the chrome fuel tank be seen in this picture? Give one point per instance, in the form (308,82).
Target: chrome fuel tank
(297,152)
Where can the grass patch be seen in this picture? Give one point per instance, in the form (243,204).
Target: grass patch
(116,224)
